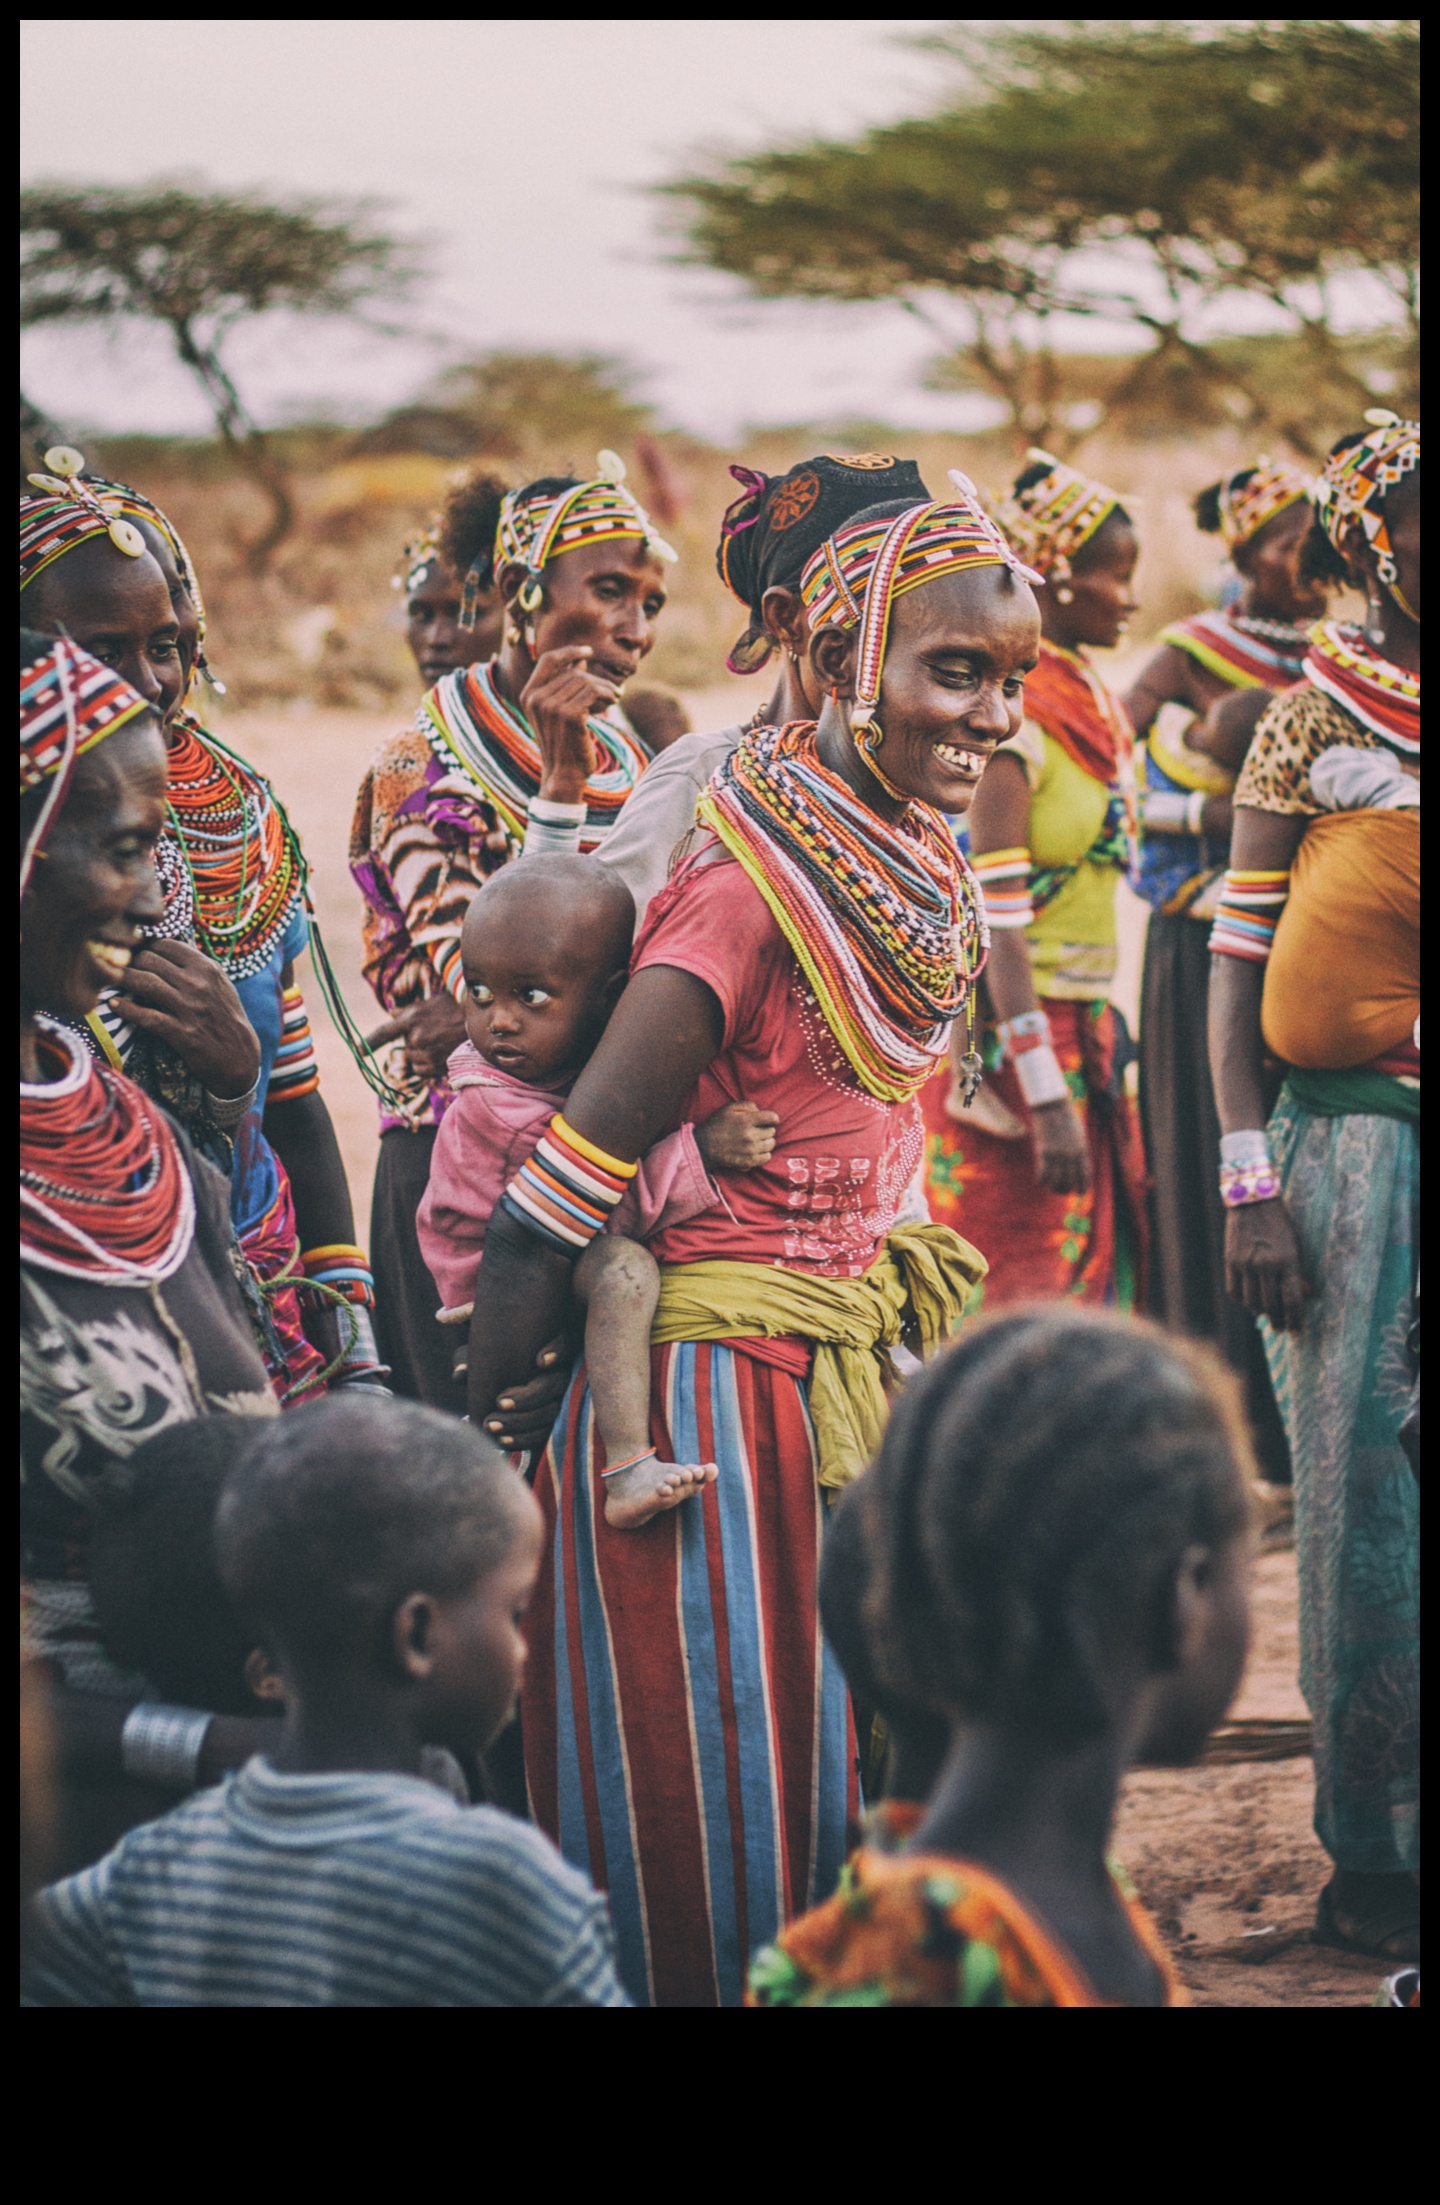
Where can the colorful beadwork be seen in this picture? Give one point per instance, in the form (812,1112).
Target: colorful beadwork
(885,920)
(1248,914)
(466,721)
(1048,522)
(243,854)
(1353,484)
(536,527)
(1246,506)
(1249,654)
(1244,1183)
(566,1190)
(1381,696)
(69,702)
(295,1071)
(104,1194)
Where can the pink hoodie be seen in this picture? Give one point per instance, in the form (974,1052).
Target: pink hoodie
(486,1135)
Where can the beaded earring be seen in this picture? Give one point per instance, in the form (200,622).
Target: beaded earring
(1375,628)
(1064,595)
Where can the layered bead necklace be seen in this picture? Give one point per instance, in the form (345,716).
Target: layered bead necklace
(1380,695)
(104,1193)
(243,859)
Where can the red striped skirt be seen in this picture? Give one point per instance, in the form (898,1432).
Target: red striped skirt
(688,1740)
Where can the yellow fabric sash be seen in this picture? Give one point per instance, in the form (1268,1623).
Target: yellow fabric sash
(916,1290)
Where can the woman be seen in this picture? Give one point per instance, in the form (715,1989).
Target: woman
(766,538)
(1316,951)
(235,919)
(131,1318)
(1062,1211)
(1194,706)
(686,1731)
(507,751)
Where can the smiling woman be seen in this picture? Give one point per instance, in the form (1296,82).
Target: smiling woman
(524,750)
(130,1315)
(687,1733)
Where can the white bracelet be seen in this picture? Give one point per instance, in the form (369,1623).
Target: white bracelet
(1252,1147)
(1164,812)
(557,815)
(1041,1079)
(161,1745)
(1195,813)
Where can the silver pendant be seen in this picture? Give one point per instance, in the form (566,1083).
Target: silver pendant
(971,1072)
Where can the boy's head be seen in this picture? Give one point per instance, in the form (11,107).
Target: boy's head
(1059,1523)
(158,1598)
(383,1552)
(658,717)
(545,947)
(919,1737)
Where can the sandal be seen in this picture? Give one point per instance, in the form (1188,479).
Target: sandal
(1384,1926)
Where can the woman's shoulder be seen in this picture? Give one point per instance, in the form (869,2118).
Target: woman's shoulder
(1296,729)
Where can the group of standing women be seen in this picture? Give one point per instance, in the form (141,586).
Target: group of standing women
(940,784)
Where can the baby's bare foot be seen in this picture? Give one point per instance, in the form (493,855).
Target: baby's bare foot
(633,1496)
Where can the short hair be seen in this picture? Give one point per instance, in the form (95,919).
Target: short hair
(342,1508)
(159,1602)
(1036,1490)
(468,522)
(1206,503)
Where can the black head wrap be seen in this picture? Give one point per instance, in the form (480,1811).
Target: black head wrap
(768,534)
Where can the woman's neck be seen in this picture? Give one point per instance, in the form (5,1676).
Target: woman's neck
(836,746)
(1055,623)
(1401,643)
(511,670)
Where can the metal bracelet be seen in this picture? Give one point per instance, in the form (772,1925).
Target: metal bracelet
(226,1111)
(161,1745)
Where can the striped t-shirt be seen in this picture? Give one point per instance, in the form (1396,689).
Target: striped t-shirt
(347,1890)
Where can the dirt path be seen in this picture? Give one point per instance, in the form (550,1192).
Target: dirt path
(1224,1856)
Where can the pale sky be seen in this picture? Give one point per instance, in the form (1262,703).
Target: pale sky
(519,146)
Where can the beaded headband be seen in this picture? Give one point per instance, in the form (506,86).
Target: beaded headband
(1353,483)
(857,574)
(534,529)
(418,554)
(121,498)
(1049,521)
(1245,507)
(69,512)
(69,702)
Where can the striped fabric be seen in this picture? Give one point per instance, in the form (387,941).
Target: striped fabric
(565,1192)
(295,1071)
(687,1731)
(349,1890)
(1248,914)
(1004,877)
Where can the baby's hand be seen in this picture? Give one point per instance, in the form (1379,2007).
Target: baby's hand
(737,1138)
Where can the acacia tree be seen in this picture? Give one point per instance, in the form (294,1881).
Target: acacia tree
(197,263)
(1136,172)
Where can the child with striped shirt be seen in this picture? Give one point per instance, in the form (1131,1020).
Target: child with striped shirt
(383,1555)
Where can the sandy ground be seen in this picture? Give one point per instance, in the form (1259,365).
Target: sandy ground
(1225,1855)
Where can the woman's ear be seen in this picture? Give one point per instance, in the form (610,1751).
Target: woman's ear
(832,654)
(1183,1621)
(508,581)
(784,616)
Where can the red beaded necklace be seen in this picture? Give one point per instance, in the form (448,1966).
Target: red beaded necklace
(104,1193)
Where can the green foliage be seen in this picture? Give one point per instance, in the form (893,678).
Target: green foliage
(196,263)
(1204,159)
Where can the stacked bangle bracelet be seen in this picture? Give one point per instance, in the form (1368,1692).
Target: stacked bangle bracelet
(1026,1042)
(161,1745)
(1248,1173)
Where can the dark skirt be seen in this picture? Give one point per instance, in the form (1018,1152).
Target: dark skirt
(419,1350)
(1182,1149)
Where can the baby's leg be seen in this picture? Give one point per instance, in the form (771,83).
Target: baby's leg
(619,1283)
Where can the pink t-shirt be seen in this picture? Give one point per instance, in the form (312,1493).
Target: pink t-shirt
(485,1136)
(842,1160)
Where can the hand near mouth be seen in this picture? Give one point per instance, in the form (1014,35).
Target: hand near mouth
(563,692)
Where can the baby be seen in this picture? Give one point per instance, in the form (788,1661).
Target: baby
(546,949)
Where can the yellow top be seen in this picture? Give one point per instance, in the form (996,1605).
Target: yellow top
(1072,939)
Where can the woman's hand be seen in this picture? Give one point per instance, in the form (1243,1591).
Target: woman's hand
(176,993)
(1062,1155)
(429,1032)
(525,1414)
(557,700)
(1262,1264)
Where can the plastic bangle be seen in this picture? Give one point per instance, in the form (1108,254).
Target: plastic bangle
(557,815)
(1249,1147)
(161,1745)
(1029,1029)
(1195,813)
(1241,1184)
(1041,1079)
(629,1463)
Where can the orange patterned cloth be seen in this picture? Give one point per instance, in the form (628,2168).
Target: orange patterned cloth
(919,1929)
